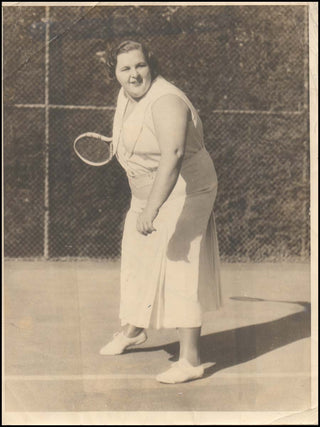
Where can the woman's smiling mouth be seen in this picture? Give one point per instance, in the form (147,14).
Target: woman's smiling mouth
(136,83)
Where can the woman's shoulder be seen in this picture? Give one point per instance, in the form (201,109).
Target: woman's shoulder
(164,91)
(162,85)
(170,102)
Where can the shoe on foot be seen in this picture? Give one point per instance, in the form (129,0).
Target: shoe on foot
(180,372)
(120,342)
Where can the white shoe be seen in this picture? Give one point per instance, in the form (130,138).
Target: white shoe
(120,342)
(180,372)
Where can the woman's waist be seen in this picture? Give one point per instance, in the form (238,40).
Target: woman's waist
(139,174)
(197,174)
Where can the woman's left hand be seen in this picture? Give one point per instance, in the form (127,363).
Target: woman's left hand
(145,221)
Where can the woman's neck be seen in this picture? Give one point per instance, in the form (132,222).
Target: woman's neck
(131,99)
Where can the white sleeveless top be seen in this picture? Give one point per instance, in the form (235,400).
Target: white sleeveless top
(134,140)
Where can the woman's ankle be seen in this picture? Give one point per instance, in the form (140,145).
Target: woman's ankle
(132,331)
(194,360)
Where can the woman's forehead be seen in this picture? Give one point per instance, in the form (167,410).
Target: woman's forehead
(131,56)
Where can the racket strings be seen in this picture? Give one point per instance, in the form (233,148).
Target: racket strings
(93,150)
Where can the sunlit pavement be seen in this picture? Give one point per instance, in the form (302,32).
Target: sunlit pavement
(256,350)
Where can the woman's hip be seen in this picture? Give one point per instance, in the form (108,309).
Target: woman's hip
(197,176)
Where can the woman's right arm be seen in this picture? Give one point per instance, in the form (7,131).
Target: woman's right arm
(170,116)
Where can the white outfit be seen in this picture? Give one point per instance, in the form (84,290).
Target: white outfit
(170,277)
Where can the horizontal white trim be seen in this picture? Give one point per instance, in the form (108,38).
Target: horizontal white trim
(148,3)
(66,107)
(97,107)
(88,377)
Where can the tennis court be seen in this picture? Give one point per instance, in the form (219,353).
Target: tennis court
(58,315)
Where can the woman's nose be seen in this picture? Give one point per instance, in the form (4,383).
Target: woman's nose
(134,73)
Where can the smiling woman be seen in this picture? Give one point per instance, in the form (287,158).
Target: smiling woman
(170,270)
(133,73)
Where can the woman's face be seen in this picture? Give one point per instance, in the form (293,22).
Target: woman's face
(133,73)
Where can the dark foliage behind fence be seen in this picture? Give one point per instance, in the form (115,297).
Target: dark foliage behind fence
(243,67)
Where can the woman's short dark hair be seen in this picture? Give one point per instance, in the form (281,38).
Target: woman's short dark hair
(127,46)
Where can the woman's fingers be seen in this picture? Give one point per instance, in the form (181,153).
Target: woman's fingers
(145,227)
(145,221)
(140,227)
(148,227)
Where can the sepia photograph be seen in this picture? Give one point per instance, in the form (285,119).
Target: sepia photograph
(160,213)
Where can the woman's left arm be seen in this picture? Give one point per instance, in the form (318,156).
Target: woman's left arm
(170,116)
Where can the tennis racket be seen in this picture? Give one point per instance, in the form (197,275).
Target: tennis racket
(93,148)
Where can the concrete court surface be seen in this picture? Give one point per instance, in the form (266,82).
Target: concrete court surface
(256,350)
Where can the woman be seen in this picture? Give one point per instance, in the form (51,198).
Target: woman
(170,263)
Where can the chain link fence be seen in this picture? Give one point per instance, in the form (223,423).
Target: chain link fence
(245,68)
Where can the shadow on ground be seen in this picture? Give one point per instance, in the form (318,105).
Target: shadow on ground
(239,345)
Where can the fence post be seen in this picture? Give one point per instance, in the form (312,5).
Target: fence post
(46,171)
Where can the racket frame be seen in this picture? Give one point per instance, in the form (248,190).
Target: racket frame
(96,136)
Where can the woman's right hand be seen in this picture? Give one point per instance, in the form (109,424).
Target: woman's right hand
(145,221)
